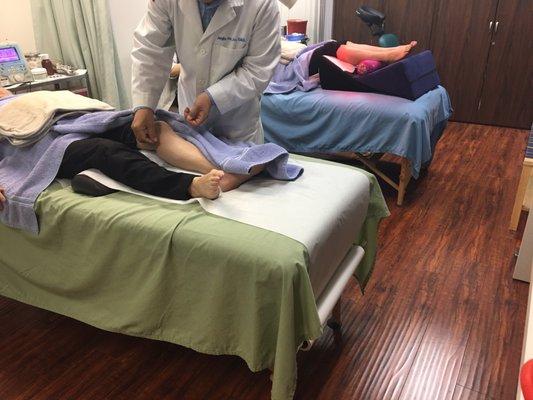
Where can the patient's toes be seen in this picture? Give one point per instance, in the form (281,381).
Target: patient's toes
(206,186)
(218,173)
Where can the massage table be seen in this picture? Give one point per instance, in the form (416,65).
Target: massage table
(175,272)
(355,123)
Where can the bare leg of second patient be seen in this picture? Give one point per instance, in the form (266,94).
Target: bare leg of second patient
(180,153)
(354,53)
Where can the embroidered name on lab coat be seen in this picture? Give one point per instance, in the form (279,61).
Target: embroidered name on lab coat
(232,39)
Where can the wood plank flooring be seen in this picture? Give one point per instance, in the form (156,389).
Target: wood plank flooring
(441,317)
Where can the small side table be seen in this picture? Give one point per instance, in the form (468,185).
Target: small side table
(76,83)
(527,173)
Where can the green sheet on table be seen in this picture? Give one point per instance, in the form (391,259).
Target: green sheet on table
(129,264)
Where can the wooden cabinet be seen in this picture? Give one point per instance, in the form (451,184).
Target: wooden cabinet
(507,97)
(409,19)
(483,50)
(461,39)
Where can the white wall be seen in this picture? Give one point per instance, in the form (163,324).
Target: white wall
(125,16)
(16,24)
(318,13)
(303,9)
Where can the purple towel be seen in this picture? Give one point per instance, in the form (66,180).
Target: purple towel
(237,158)
(26,172)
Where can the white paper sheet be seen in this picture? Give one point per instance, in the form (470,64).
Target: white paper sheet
(323,209)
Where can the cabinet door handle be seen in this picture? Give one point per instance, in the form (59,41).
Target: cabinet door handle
(496,26)
(490,26)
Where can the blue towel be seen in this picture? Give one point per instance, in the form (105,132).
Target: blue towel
(328,121)
(26,172)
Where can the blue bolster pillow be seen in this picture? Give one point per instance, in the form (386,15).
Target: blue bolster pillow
(409,78)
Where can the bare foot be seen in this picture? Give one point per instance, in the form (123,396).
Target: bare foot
(233,181)
(207,186)
(399,52)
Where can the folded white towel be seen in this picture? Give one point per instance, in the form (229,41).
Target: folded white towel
(28,117)
(290,49)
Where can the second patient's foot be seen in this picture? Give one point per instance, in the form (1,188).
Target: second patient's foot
(207,186)
(399,52)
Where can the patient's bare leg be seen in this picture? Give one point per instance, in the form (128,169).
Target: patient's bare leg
(367,47)
(180,153)
(233,181)
(355,53)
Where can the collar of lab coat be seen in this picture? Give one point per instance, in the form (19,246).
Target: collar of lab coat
(225,14)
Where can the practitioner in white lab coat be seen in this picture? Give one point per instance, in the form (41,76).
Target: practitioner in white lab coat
(227,49)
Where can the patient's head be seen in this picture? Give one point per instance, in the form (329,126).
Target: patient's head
(4,92)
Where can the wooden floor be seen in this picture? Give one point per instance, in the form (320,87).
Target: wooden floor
(441,318)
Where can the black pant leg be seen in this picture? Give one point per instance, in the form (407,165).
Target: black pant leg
(126,165)
(328,49)
(123,134)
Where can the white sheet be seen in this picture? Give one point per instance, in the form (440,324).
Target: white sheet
(324,210)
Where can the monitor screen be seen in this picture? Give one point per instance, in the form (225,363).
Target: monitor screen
(8,54)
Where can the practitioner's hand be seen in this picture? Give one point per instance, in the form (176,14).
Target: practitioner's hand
(143,126)
(2,198)
(175,70)
(198,113)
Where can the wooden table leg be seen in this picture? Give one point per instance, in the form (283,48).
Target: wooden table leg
(372,167)
(520,194)
(405,177)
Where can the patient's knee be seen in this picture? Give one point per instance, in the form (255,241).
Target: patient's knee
(161,126)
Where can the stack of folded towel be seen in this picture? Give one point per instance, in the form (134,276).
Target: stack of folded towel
(289,50)
(29,117)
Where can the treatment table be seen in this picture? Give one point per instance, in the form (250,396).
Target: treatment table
(354,123)
(174,272)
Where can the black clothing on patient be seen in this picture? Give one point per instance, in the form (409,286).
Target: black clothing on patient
(115,154)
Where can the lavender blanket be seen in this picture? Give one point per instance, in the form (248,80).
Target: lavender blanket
(232,157)
(295,75)
(26,172)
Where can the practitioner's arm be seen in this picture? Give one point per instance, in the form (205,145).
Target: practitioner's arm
(153,48)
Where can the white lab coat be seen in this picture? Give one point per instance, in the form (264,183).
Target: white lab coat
(233,59)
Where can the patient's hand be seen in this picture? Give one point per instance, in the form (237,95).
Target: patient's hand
(198,113)
(2,198)
(143,126)
(175,70)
